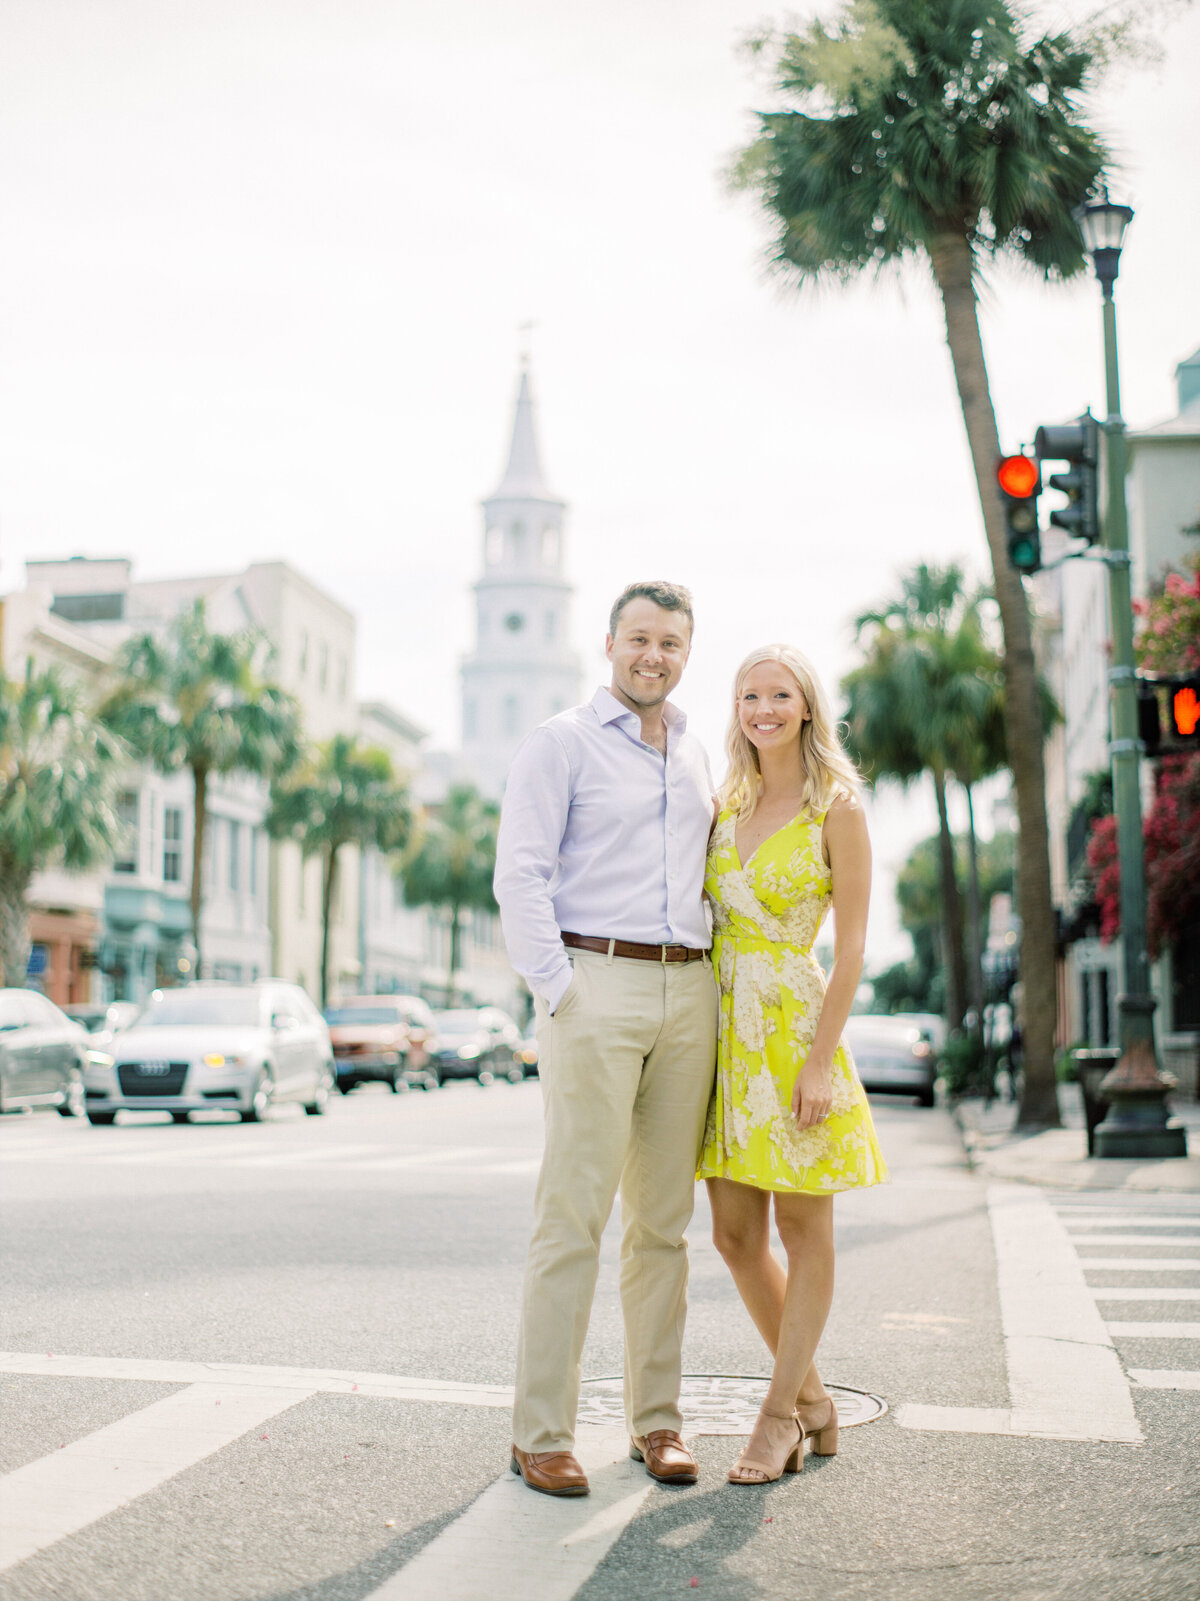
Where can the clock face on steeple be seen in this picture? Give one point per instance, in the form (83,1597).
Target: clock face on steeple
(514,622)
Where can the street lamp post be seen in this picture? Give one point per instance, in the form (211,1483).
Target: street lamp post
(1136,1124)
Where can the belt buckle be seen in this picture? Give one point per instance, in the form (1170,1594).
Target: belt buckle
(662,954)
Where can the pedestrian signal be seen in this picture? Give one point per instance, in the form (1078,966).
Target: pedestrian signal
(1020,479)
(1078,444)
(1183,703)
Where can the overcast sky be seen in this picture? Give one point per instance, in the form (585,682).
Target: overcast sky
(265,262)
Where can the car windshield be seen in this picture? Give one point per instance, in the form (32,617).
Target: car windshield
(11,1014)
(202,1006)
(457,1022)
(342,1016)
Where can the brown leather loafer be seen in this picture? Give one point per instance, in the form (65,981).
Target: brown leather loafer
(551,1472)
(666,1457)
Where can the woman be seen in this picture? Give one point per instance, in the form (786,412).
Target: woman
(789,1118)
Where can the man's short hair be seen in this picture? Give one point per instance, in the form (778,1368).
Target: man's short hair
(671,597)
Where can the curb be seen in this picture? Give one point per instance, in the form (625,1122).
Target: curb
(1027,1159)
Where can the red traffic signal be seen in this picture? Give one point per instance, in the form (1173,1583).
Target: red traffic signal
(1018,476)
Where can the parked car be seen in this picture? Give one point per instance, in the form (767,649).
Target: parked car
(385,1038)
(103,1023)
(477,1042)
(893,1055)
(931,1024)
(212,1046)
(42,1054)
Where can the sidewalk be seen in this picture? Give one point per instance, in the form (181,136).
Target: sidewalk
(1058,1157)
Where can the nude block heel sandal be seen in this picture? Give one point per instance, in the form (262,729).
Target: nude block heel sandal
(824,1434)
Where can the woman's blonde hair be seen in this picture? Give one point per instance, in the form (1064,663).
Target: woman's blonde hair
(828,771)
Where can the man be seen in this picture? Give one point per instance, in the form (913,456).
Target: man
(599,876)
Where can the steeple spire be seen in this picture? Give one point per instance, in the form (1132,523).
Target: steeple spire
(523,478)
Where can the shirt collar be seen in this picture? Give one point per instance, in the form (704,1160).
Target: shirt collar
(610,710)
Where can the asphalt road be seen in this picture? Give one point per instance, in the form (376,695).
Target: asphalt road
(387,1239)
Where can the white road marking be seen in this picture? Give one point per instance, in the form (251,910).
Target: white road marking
(1141,1264)
(311,1381)
(1155,1331)
(1135,1239)
(514,1542)
(319,1153)
(1123,1292)
(1064,1377)
(61,1493)
(1165,1378)
(1078,1221)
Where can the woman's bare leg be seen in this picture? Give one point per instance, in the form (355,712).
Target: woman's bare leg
(805,1224)
(742,1234)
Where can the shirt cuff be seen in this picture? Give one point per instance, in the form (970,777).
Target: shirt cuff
(558,987)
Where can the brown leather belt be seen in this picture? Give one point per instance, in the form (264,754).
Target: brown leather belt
(626,947)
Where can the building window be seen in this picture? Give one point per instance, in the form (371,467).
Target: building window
(235,866)
(254,848)
(516,536)
(551,625)
(172,844)
(323,675)
(127,845)
(510,714)
(303,652)
(549,546)
(493,547)
(343,676)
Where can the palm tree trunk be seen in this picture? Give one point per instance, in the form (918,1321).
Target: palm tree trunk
(952,925)
(199,834)
(328,890)
(974,917)
(14,927)
(455,913)
(953,268)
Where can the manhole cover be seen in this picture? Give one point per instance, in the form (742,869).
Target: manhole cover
(721,1403)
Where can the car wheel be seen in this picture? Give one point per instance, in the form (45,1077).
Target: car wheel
(925,1098)
(101,1119)
(345,1085)
(486,1077)
(180,1117)
(260,1101)
(516,1074)
(431,1079)
(397,1083)
(316,1107)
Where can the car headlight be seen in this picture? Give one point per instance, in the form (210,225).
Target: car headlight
(216,1059)
(99,1059)
(468,1053)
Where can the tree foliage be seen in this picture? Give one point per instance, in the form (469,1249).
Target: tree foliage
(190,698)
(453,863)
(56,796)
(343,793)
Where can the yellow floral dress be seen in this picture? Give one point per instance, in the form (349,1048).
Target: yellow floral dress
(766,916)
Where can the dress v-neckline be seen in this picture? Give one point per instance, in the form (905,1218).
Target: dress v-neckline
(744,866)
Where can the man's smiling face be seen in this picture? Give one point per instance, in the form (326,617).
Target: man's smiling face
(648,653)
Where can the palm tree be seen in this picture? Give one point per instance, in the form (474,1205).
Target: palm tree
(453,864)
(191,698)
(920,702)
(935,129)
(56,797)
(345,793)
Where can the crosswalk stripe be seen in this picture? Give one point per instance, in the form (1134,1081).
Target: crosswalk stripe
(1133,1239)
(1155,1331)
(1126,1292)
(1080,1225)
(511,1542)
(59,1494)
(1141,1264)
(1165,1378)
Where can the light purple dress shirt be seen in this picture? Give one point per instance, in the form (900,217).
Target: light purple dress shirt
(600,835)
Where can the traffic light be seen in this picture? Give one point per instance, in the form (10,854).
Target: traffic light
(1079,444)
(1020,481)
(1183,710)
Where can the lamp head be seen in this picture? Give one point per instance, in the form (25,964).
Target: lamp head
(1102,224)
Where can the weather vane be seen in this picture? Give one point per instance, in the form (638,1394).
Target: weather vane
(525,330)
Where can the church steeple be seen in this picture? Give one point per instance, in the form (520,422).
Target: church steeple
(523,668)
(523,478)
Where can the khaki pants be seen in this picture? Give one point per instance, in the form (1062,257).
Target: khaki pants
(627,1066)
